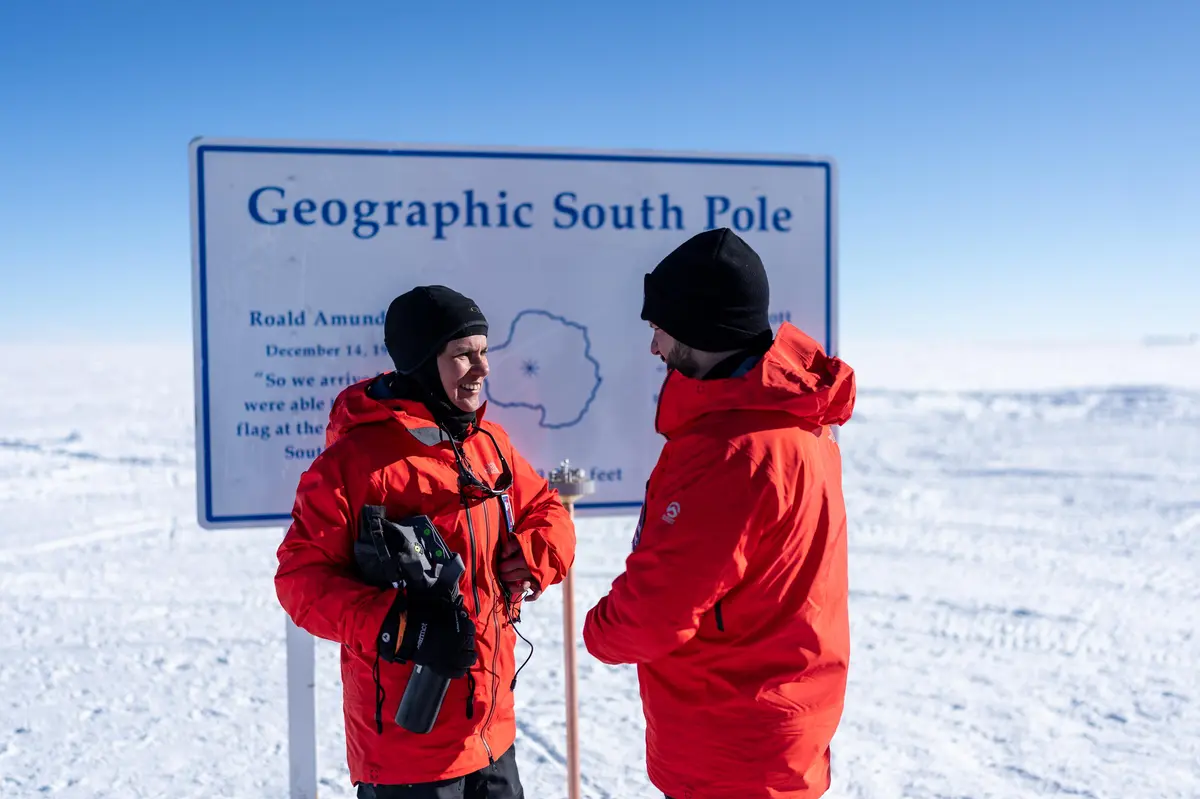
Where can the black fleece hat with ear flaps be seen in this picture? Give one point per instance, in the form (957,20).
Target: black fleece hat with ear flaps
(711,293)
(423,320)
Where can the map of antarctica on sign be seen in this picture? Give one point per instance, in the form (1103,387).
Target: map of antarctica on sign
(299,248)
(558,389)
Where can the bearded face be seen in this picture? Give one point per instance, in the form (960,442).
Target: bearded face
(674,354)
(682,359)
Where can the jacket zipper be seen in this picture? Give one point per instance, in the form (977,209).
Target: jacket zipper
(720,618)
(487,527)
(475,586)
(474,565)
(641,524)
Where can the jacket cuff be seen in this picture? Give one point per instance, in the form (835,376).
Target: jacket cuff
(540,559)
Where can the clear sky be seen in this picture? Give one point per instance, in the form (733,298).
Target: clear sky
(1016,170)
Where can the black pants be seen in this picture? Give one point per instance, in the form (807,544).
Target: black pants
(497,781)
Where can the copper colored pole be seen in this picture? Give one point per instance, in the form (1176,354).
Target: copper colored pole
(569,676)
(571,484)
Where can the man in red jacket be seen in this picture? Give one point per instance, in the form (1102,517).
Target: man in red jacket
(733,603)
(415,442)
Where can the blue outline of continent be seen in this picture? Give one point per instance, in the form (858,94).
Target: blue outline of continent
(531,368)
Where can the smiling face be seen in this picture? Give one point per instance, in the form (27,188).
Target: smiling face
(462,366)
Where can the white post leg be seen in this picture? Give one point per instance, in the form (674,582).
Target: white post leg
(302,712)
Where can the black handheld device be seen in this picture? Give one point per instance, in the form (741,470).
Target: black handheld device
(412,554)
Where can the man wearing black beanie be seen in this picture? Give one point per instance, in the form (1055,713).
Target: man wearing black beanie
(733,603)
(415,442)
(707,302)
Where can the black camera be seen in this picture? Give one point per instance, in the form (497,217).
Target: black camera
(410,554)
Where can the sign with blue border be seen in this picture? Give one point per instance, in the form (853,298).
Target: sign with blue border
(298,248)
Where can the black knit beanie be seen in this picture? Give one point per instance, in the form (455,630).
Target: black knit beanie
(418,324)
(710,294)
(422,321)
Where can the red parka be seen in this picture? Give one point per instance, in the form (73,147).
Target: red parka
(391,453)
(733,603)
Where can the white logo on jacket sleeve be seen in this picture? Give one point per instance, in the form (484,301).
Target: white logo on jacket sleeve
(671,513)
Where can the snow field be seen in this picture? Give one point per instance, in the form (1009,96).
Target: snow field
(1023,568)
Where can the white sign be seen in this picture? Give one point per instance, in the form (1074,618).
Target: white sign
(299,248)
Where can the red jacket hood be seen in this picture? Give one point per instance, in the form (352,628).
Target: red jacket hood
(794,376)
(354,408)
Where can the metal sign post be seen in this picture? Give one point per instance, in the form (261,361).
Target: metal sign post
(571,484)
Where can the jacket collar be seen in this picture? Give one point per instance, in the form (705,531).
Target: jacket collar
(795,377)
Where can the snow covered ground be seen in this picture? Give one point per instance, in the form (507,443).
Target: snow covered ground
(1025,555)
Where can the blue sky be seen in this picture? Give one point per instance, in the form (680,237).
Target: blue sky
(1024,170)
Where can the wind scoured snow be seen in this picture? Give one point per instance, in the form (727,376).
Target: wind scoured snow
(1024,560)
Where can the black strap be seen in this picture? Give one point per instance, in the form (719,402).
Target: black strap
(470,695)
(379,696)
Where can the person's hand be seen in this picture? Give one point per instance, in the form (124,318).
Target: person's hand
(439,633)
(514,571)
